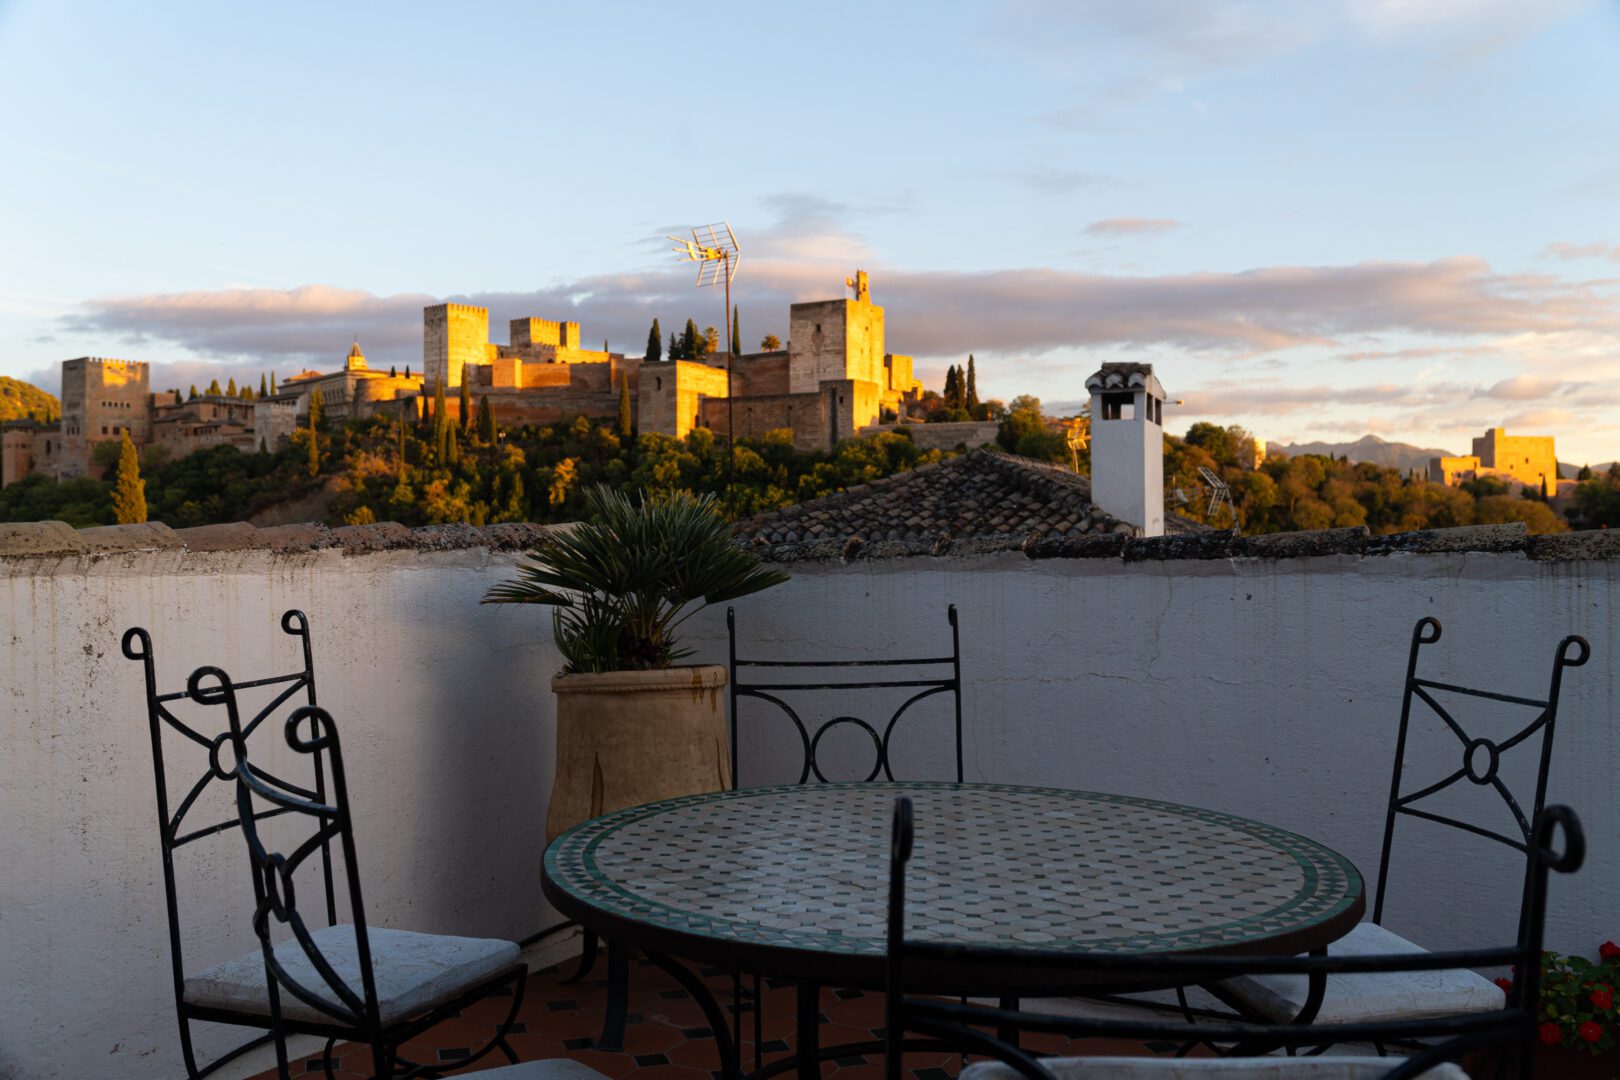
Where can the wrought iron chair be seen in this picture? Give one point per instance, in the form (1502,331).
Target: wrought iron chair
(1421,993)
(350,981)
(1509,1027)
(783,683)
(176,834)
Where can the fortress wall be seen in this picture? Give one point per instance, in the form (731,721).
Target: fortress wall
(968,433)
(753,416)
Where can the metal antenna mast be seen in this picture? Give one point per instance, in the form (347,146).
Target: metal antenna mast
(714,248)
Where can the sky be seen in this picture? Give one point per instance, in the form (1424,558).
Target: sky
(1317,219)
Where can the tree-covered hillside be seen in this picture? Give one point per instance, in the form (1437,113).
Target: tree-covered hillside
(25,401)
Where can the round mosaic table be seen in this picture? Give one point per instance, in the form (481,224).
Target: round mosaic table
(792,881)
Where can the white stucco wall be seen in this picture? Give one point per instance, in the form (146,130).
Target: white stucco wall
(1264,688)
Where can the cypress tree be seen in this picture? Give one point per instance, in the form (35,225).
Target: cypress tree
(736,331)
(247,393)
(655,344)
(972,402)
(264,451)
(272,382)
(486,420)
(452,449)
(213,388)
(317,410)
(466,417)
(407,371)
(393,372)
(441,423)
(230,388)
(313,468)
(262,390)
(624,405)
(950,387)
(129,490)
(193,392)
(691,342)
(674,349)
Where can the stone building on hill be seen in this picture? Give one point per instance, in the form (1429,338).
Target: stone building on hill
(1526,460)
(355,390)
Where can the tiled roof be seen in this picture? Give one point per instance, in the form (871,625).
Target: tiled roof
(981,494)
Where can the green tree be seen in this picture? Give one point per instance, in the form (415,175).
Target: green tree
(770,343)
(193,392)
(952,389)
(971,400)
(736,330)
(486,420)
(317,410)
(213,388)
(272,382)
(711,341)
(624,405)
(312,466)
(129,490)
(1585,474)
(674,347)
(655,344)
(407,371)
(230,388)
(466,415)
(263,390)
(691,342)
(393,372)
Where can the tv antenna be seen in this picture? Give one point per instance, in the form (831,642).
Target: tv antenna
(1216,494)
(1077,435)
(716,251)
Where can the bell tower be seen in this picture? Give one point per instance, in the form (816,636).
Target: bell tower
(1127,445)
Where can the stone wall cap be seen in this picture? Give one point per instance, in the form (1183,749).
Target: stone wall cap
(1296,545)
(381,536)
(1477,538)
(230,536)
(39,538)
(305,536)
(1209,545)
(1601,544)
(146,536)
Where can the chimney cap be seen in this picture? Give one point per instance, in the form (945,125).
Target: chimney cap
(1125,376)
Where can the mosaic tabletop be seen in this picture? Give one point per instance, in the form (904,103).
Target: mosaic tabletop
(806,867)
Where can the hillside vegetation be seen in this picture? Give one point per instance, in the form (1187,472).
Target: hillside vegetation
(25,401)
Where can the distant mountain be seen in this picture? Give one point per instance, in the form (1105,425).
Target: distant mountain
(20,400)
(1370,448)
(1568,470)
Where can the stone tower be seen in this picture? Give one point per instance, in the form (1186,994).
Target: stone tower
(101,399)
(1127,445)
(453,336)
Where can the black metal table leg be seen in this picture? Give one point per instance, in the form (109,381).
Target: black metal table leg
(618,998)
(807,1041)
(730,1065)
(587,959)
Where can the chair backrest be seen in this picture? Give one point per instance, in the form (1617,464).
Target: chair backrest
(779,681)
(1481,757)
(210,765)
(981,1030)
(317,822)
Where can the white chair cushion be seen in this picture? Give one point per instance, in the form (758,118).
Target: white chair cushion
(414,973)
(1396,995)
(549,1069)
(1266,1068)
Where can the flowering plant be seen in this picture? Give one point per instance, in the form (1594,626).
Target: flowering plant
(1578,999)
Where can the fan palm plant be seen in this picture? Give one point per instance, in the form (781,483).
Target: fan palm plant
(623,582)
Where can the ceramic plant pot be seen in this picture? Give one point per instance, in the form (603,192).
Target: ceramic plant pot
(630,737)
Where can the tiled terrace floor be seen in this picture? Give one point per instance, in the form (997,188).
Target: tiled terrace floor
(667,1038)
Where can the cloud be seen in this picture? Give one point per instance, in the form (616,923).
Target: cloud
(1526,387)
(1131,226)
(929,313)
(1565,250)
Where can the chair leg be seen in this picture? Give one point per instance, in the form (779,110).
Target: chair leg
(618,999)
(807,1044)
(587,959)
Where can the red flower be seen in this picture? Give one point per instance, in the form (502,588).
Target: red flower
(1603,998)
(1609,951)
(1550,1034)
(1506,985)
(1591,1031)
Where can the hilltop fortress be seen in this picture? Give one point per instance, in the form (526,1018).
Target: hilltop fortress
(834,379)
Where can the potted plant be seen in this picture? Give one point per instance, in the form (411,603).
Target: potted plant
(1579,1019)
(632,726)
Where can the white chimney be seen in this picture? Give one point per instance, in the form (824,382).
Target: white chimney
(1127,445)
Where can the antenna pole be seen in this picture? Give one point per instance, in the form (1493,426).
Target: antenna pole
(731,431)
